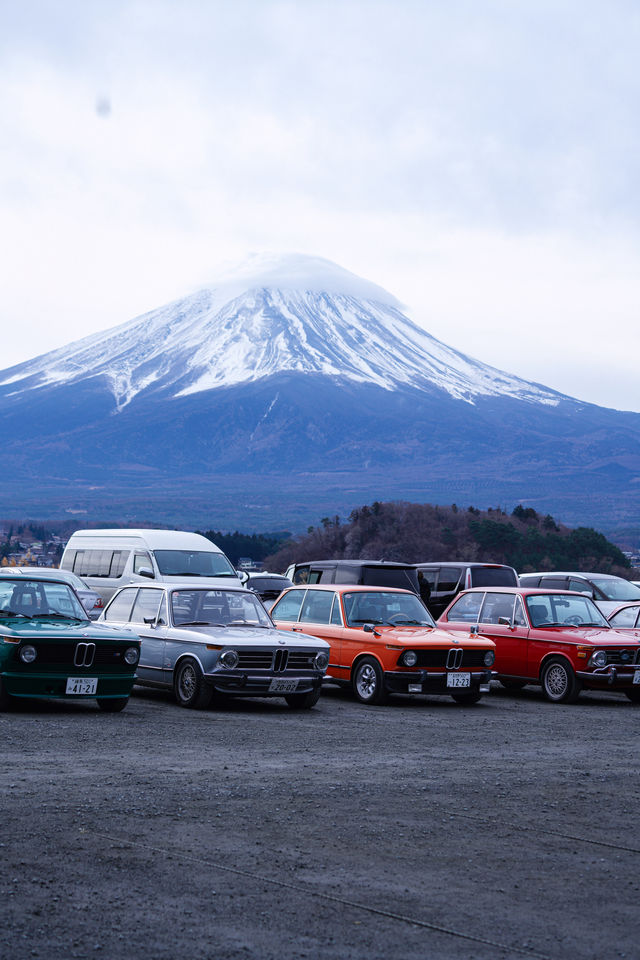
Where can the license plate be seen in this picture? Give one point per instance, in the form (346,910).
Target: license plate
(458,679)
(82,686)
(636,676)
(283,686)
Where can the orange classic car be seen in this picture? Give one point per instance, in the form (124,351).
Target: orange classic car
(384,640)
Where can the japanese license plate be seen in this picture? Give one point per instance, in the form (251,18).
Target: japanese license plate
(283,686)
(82,686)
(458,679)
(636,676)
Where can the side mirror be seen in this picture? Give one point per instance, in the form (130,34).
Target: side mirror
(146,572)
(368,628)
(243,576)
(504,621)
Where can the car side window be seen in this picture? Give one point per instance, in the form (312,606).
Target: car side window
(625,618)
(146,605)
(288,606)
(554,583)
(336,616)
(317,607)
(497,605)
(519,618)
(120,607)
(466,609)
(581,586)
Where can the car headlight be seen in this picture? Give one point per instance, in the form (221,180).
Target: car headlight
(409,658)
(131,655)
(229,659)
(321,660)
(489,658)
(28,654)
(598,659)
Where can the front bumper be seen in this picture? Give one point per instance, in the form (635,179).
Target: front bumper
(432,681)
(618,676)
(47,685)
(246,684)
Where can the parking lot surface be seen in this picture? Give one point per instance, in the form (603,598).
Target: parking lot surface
(417,829)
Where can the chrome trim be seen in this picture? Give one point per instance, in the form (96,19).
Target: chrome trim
(84,654)
(454,658)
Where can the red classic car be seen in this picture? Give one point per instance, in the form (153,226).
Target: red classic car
(556,638)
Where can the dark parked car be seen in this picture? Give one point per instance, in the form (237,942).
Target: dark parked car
(446,579)
(371,573)
(268,586)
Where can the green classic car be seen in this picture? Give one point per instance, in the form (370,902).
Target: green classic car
(49,647)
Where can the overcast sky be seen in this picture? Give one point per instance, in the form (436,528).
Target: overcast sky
(478,158)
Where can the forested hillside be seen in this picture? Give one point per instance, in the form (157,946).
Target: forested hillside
(415,532)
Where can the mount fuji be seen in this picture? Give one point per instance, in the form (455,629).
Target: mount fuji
(288,389)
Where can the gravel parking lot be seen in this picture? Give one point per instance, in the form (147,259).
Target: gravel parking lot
(418,829)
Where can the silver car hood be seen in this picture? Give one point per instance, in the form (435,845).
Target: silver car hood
(246,636)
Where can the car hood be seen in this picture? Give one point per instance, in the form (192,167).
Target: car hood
(594,636)
(243,636)
(21,629)
(429,636)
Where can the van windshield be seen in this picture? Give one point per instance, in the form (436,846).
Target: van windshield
(193,563)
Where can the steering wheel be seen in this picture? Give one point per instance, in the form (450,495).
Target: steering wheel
(575,621)
(398,618)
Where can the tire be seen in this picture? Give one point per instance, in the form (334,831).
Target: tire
(189,687)
(559,682)
(113,705)
(6,700)
(633,695)
(510,684)
(466,699)
(303,701)
(367,681)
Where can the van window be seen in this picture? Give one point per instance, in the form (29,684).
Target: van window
(448,579)
(92,563)
(390,577)
(192,563)
(119,562)
(141,560)
(67,561)
(493,577)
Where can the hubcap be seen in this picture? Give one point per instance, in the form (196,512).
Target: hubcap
(557,680)
(366,682)
(187,682)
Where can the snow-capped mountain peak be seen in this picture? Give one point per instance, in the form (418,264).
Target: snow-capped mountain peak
(270,315)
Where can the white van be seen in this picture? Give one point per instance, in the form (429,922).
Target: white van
(108,559)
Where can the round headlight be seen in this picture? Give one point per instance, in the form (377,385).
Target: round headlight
(131,655)
(28,654)
(489,658)
(409,658)
(599,658)
(321,661)
(228,659)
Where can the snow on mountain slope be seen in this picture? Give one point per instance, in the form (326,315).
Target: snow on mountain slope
(266,316)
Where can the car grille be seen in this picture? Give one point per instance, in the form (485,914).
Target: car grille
(280,661)
(438,658)
(623,657)
(64,654)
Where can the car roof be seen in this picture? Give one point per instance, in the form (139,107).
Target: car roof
(192,583)
(523,591)
(25,572)
(460,563)
(356,563)
(572,573)
(348,588)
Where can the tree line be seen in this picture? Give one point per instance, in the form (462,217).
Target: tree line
(414,533)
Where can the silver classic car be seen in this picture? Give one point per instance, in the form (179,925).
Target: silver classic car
(199,641)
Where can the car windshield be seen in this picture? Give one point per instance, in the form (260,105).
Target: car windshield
(217,608)
(385,608)
(619,589)
(36,599)
(193,563)
(562,610)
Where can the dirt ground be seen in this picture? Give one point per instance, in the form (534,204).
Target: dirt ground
(418,829)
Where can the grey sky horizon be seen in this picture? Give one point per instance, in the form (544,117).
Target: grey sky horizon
(477,160)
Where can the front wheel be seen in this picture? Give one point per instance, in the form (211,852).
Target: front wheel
(303,701)
(472,696)
(189,686)
(368,681)
(113,704)
(559,682)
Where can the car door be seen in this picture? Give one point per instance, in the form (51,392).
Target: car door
(320,616)
(502,618)
(144,619)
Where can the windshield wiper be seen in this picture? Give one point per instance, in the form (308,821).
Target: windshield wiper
(247,623)
(12,613)
(199,623)
(54,615)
